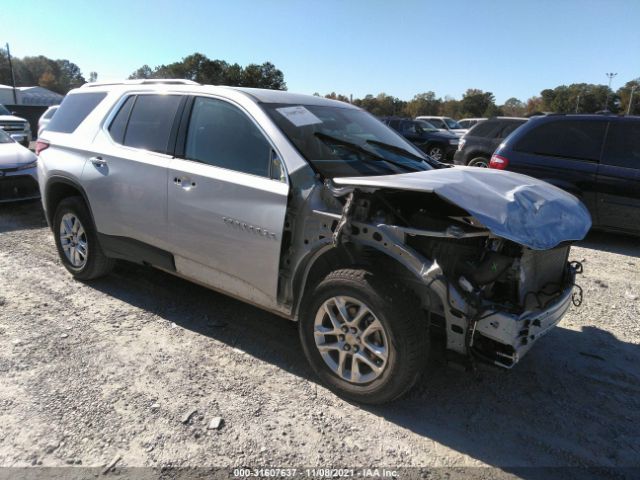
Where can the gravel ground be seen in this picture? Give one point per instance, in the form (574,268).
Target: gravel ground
(140,366)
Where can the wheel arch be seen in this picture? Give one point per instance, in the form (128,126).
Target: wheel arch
(57,189)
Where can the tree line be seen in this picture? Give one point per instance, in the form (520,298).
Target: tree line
(575,98)
(59,76)
(63,75)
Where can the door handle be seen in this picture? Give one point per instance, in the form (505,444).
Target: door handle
(98,161)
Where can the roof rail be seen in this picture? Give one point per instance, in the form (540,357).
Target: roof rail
(144,81)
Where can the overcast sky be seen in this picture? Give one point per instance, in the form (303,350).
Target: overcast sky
(511,48)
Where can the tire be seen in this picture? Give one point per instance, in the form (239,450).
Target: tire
(399,328)
(436,152)
(482,162)
(94,263)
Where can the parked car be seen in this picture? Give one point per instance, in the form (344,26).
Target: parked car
(45,118)
(438,145)
(17,128)
(18,173)
(314,210)
(467,123)
(595,158)
(479,143)
(444,124)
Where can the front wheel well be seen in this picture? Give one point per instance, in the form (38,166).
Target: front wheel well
(356,256)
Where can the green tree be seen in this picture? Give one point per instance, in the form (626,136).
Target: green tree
(624,94)
(514,107)
(475,102)
(199,68)
(423,104)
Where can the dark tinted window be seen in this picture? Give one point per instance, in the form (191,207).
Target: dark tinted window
(510,126)
(623,145)
(486,129)
(150,122)
(73,110)
(119,123)
(395,124)
(222,135)
(569,139)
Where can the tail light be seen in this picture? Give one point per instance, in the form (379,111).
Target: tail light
(499,162)
(41,145)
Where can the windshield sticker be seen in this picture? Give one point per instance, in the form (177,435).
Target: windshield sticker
(299,116)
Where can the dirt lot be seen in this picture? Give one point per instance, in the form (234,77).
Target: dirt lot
(92,372)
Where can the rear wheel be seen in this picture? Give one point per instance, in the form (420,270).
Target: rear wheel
(366,340)
(77,241)
(481,162)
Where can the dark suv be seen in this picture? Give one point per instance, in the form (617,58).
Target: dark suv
(595,157)
(477,146)
(438,145)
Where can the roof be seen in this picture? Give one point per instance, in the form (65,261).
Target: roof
(260,95)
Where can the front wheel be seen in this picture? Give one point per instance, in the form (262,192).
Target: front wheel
(367,340)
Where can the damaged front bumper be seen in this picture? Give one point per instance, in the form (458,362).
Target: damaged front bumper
(503,339)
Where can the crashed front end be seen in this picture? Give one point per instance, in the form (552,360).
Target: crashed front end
(488,255)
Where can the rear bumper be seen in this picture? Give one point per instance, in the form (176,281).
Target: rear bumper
(19,185)
(503,339)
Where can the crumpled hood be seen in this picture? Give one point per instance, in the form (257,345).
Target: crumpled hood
(513,206)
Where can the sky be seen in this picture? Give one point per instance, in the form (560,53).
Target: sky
(401,47)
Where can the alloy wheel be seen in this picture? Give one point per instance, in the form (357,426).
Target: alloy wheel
(73,240)
(351,339)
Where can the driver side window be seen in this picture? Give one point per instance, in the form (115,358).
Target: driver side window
(222,135)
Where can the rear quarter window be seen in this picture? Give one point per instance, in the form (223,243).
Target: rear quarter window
(73,110)
(575,139)
(623,145)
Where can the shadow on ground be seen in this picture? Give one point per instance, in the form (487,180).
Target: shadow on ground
(573,401)
(25,215)
(612,243)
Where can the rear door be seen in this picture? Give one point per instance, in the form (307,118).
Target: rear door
(126,178)
(564,153)
(619,177)
(227,202)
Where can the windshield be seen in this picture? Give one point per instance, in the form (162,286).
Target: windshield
(451,123)
(4,138)
(345,142)
(426,126)
(4,111)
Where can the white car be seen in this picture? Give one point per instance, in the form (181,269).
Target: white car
(445,124)
(46,118)
(18,172)
(467,123)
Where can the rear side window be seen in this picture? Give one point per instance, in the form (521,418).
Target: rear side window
(623,145)
(119,124)
(73,110)
(508,128)
(151,121)
(486,129)
(568,139)
(222,135)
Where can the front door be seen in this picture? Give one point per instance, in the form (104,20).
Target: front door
(227,204)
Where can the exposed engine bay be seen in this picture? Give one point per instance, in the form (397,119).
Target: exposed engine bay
(492,296)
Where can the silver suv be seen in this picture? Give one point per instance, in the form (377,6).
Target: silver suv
(316,211)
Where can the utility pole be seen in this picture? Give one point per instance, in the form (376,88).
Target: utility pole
(633,89)
(13,77)
(606,103)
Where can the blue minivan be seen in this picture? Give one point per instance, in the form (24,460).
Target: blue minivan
(594,157)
